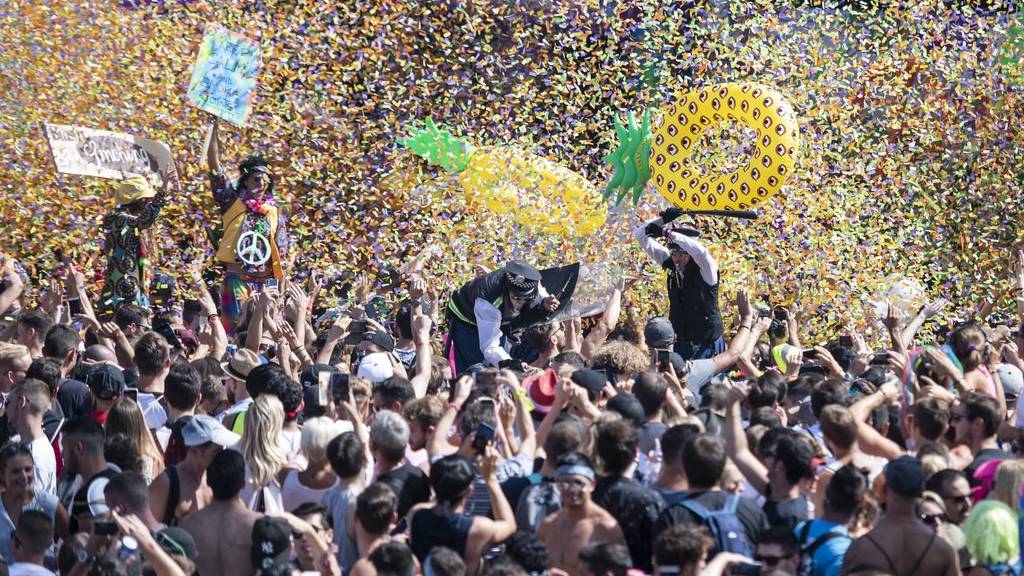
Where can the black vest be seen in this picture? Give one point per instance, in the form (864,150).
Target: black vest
(693,305)
(491,288)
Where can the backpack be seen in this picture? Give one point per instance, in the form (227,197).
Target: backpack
(724,526)
(537,502)
(807,549)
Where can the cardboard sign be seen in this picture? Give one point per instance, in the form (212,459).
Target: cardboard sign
(224,76)
(104,154)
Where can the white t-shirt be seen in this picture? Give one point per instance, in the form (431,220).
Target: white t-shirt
(26,569)
(45,463)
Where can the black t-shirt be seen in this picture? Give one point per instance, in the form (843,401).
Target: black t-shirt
(750,516)
(787,513)
(986,455)
(636,508)
(409,484)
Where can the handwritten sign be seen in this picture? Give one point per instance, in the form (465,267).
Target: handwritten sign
(224,77)
(90,152)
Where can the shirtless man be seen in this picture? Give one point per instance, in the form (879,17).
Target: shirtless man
(900,543)
(182,489)
(580,521)
(223,529)
(375,517)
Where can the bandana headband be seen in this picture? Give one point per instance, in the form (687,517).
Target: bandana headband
(575,470)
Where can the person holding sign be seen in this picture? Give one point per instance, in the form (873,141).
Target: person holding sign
(692,284)
(484,311)
(128,250)
(255,238)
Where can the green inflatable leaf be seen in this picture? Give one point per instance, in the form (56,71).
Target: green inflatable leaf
(438,147)
(631,159)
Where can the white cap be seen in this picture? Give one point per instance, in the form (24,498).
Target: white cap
(375,367)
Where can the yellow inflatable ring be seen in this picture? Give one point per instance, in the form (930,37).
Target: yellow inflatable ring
(759,107)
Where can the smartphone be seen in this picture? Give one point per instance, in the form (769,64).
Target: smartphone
(846,341)
(75,306)
(880,359)
(163,328)
(484,436)
(356,329)
(104,528)
(484,378)
(779,314)
(339,387)
(270,282)
(810,354)
(664,360)
(132,393)
(323,388)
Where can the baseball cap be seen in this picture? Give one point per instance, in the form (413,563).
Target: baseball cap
(628,406)
(105,381)
(382,339)
(271,544)
(593,380)
(375,367)
(201,429)
(241,363)
(1011,378)
(177,542)
(310,375)
(659,332)
(905,476)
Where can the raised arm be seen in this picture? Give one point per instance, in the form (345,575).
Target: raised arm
(212,148)
(12,285)
(656,250)
(599,333)
(696,249)
(927,311)
(736,443)
(488,325)
(739,342)
(440,438)
(424,353)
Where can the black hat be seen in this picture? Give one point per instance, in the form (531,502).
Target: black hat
(628,406)
(659,332)
(905,476)
(521,278)
(105,381)
(381,339)
(592,380)
(177,541)
(271,544)
(310,375)
(311,407)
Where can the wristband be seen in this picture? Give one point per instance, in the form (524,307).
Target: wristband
(744,326)
(212,317)
(455,405)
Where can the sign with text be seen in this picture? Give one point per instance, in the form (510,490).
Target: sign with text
(224,76)
(104,154)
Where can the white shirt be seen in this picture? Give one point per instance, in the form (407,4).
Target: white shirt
(45,463)
(240,406)
(26,569)
(488,328)
(659,253)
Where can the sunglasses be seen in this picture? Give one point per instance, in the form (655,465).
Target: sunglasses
(569,483)
(933,519)
(162,538)
(769,560)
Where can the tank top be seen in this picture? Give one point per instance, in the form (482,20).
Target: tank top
(430,529)
(294,492)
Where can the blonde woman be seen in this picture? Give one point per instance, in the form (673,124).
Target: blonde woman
(264,458)
(311,484)
(125,417)
(1006,487)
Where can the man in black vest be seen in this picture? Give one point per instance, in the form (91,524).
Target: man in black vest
(484,311)
(692,282)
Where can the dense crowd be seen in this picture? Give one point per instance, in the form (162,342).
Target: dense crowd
(488,431)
